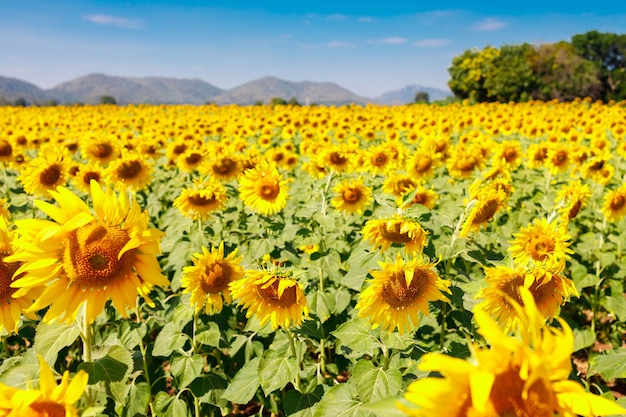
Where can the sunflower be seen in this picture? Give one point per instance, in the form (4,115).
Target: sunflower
(558,158)
(426,197)
(11,307)
(400,290)
(523,375)
(351,196)
(99,150)
(508,153)
(192,160)
(130,171)
(225,167)
(572,198)
(336,158)
(271,295)
(50,400)
(399,184)
(398,229)
(6,151)
(208,279)
(541,243)
(204,198)
(86,174)
(537,154)
(263,188)
(614,206)
(464,160)
(82,258)
(4,209)
(378,160)
(548,289)
(483,208)
(422,163)
(598,169)
(44,173)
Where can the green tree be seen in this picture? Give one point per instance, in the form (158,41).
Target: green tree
(422,97)
(563,74)
(293,102)
(277,100)
(509,75)
(107,100)
(20,102)
(608,52)
(467,73)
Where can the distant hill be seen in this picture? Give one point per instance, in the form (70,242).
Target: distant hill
(157,90)
(266,88)
(154,90)
(407,94)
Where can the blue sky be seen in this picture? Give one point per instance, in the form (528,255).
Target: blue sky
(367,47)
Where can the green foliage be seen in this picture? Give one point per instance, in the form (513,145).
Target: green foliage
(107,100)
(422,97)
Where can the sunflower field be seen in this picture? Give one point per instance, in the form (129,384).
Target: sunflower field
(421,260)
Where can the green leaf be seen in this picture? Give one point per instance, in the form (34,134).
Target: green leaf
(245,384)
(186,368)
(209,335)
(138,398)
(583,338)
(168,340)
(387,407)
(203,386)
(302,404)
(112,369)
(51,338)
(397,341)
(610,365)
(375,384)
(170,406)
(19,370)
(276,373)
(339,401)
(359,264)
(131,334)
(355,338)
(616,304)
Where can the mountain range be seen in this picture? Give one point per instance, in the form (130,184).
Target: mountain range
(160,90)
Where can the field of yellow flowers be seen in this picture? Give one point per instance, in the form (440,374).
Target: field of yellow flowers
(313,261)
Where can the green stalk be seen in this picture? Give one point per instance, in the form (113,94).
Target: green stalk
(292,345)
(86,336)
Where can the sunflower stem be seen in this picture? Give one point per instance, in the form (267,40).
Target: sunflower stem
(86,336)
(292,344)
(444,313)
(385,357)
(200,229)
(146,375)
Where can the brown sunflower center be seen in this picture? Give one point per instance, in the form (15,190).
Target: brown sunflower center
(337,159)
(559,158)
(394,234)
(201,201)
(102,150)
(91,175)
(270,295)
(574,209)
(486,211)
(510,154)
(50,175)
(224,166)
(129,169)
(179,149)
(596,166)
(404,185)
(540,247)
(352,195)
(267,190)
(216,277)
(379,159)
(467,163)
(423,164)
(397,294)
(43,409)
(6,277)
(5,148)
(193,158)
(91,256)
(618,202)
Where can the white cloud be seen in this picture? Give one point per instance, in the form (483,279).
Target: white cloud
(366,19)
(337,17)
(104,19)
(489,24)
(394,40)
(431,43)
(339,44)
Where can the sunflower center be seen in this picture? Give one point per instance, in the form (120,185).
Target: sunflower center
(379,159)
(267,190)
(404,185)
(201,201)
(43,409)
(352,195)
(216,278)
(540,247)
(102,150)
(50,175)
(5,148)
(559,158)
(486,211)
(573,211)
(423,164)
(397,294)
(224,166)
(129,170)
(270,294)
(466,164)
(596,166)
(92,258)
(194,158)
(91,176)
(179,149)
(6,277)
(510,154)
(337,159)
(394,234)
(618,202)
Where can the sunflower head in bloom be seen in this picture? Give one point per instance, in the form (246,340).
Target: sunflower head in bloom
(351,196)
(271,295)
(378,160)
(509,154)
(84,174)
(558,158)
(130,171)
(399,184)
(263,188)
(11,307)
(464,160)
(541,243)
(204,198)
(87,258)
(49,400)
(426,197)
(399,229)
(422,163)
(614,205)
(399,291)
(208,278)
(524,375)
(100,150)
(46,172)
(549,290)
(572,198)
(486,204)
(225,166)
(4,209)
